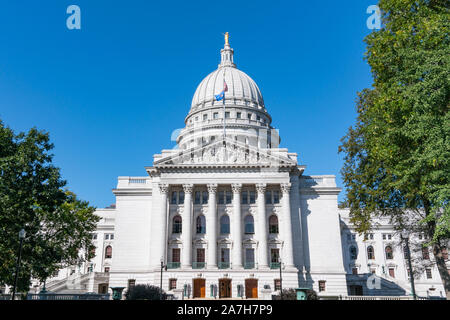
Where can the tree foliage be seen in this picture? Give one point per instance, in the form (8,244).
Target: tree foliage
(58,225)
(397,156)
(144,292)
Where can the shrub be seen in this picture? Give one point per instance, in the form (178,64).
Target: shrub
(144,292)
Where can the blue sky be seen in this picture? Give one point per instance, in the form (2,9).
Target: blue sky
(112,93)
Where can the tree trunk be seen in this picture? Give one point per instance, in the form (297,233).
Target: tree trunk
(437,252)
(442,267)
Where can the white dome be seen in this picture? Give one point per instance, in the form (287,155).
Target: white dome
(242,90)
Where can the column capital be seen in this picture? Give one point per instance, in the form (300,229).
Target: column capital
(188,188)
(163,188)
(212,187)
(261,187)
(236,187)
(285,188)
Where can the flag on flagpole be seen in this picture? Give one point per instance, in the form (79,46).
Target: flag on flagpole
(221,95)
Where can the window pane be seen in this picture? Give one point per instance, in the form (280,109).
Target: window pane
(268,197)
(252,196)
(244,197)
(181,197)
(197,197)
(174,198)
(220,198)
(228,197)
(205,197)
(249,255)
(176,255)
(200,255)
(276,197)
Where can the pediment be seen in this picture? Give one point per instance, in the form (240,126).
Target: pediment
(228,153)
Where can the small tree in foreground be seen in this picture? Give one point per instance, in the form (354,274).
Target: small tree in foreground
(144,292)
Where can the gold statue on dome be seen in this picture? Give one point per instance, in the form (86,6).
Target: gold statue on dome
(227,36)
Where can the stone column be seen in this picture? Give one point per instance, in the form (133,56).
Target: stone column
(164,190)
(288,258)
(186,261)
(262,226)
(236,230)
(211,227)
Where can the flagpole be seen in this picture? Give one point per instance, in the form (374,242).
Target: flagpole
(224,130)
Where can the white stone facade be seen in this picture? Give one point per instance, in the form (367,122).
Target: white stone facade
(240,200)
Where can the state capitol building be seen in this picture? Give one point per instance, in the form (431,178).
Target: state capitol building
(228,208)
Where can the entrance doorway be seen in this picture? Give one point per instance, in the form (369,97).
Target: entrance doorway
(199,288)
(251,288)
(224,288)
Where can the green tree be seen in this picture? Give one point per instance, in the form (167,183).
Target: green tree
(58,225)
(397,155)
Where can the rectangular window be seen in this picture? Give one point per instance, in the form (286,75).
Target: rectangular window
(276,197)
(249,116)
(227,115)
(205,117)
(106,236)
(131,283)
(106,269)
(94,236)
(249,255)
(228,197)
(174,198)
(197,197)
(181,197)
(384,236)
(175,255)
(225,255)
(172,284)
(389,237)
(274,255)
(428,272)
(258,118)
(221,197)
(216,115)
(371,236)
(268,197)
(111,236)
(252,196)
(244,197)
(205,197)
(353,236)
(425,253)
(322,285)
(200,255)
(238,115)
(392,272)
(354,270)
(277,284)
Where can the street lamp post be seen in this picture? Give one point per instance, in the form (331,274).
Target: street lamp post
(405,237)
(163,266)
(22,234)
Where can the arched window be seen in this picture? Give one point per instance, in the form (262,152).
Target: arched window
(353,253)
(201,224)
(249,225)
(370,253)
(273,224)
(225,224)
(108,252)
(177,224)
(389,253)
